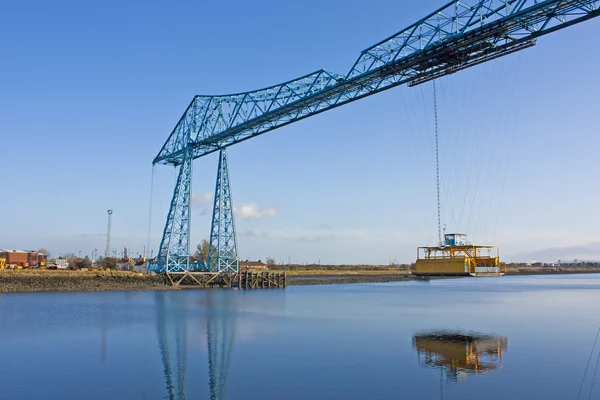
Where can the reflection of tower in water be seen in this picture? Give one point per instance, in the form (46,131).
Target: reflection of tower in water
(171,327)
(172,340)
(220,334)
(458,353)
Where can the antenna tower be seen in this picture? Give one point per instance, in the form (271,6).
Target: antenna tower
(107,252)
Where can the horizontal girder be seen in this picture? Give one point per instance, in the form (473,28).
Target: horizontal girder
(452,38)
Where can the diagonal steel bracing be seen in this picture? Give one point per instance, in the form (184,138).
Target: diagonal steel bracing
(174,252)
(454,37)
(222,253)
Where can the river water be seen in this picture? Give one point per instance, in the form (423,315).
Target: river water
(361,341)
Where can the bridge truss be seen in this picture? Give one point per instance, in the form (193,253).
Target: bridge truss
(454,37)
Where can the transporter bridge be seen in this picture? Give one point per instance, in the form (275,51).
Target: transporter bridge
(456,36)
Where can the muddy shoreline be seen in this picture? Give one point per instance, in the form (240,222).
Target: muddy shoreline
(308,279)
(302,280)
(79,281)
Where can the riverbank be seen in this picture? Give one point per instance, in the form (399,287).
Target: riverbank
(13,281)
(314,276)
(551,270)
(299,280)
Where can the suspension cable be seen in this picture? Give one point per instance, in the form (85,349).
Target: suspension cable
(437,165)
(588,365)
(150,213)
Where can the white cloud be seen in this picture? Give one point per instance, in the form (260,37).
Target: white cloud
(253,211)
(316,238)
(201,198)
(253,233)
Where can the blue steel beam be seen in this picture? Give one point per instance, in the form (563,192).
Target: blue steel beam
(452,38)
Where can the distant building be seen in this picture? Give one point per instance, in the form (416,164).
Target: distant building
(22,258)
(538,264)
(62,262)
(247,264)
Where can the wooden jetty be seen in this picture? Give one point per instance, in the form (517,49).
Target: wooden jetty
(240,280)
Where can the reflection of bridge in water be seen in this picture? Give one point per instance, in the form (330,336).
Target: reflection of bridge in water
(172,324)
(458,353)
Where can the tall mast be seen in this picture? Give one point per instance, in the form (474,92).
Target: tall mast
(107,251)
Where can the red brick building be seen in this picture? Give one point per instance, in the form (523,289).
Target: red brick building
(22,258)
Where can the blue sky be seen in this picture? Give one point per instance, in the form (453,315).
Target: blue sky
(91,90)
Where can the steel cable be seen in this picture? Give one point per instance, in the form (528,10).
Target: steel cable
(588,365)
(595,374)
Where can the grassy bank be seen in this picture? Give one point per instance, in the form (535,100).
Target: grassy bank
(332,274)
(74,281)
(338,274)
(71,281)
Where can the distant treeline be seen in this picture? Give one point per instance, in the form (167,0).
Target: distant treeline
(583,264)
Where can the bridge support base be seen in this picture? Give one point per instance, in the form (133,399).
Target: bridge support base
(240,280)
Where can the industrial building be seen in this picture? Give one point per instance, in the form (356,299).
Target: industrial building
(22,258)
(253,265)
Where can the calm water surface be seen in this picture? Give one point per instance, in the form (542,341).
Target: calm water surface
(319,342)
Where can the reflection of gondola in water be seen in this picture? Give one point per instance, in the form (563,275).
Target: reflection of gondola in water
(458,353)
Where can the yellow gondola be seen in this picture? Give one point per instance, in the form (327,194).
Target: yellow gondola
(458,257)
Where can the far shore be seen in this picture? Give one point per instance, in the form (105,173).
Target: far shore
(314,276)
(34,280)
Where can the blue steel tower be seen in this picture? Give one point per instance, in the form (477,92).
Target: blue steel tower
(222,252)
(452,38)
(174,252)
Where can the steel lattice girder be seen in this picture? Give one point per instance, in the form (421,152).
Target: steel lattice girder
(222,252)
(452,38)
(173,255)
